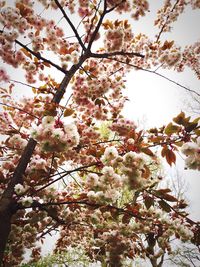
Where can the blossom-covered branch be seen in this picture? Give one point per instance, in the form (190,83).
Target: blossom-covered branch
(71,24)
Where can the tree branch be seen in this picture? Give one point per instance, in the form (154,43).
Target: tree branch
(50,213)
(163,27)
(39,57)
(82,202)
(25,84)
(117,53)
(176,211)
(97,27)
(26,112)
(6,201)
(71,24)
(65,174)
(92,21)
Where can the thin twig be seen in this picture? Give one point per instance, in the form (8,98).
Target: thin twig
(156,73)
(25,84)
(26,112)
(83,202)
(65,174)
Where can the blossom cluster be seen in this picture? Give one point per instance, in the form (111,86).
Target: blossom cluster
(69,59)
(141,6)
(107,209)
(104,188)
(177,226)
(191,58)
(119,238)
(137,8)
(134,167)
(18,21)
(114,40)
(169,13)
(192,152)
(8,55)
(17,142)
(26,201)
(38,163)
(70,4)
(22,117)
(93,94)
(121,7)
(19,189)
(87,133)
(53,135)
(11,18)
(118,35)
(122,126)
(170,58)
(119,171)
(3,75)
(195,4)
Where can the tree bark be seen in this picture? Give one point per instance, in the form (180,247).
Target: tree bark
(5,227)
(7,203)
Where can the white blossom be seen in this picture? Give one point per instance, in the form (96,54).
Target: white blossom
(189,148)
(92,180)
(58,133)
(19,189)
(26,201)
(48,120)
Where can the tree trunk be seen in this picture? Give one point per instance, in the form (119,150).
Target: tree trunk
(7,205)
(154,262)
(5,227)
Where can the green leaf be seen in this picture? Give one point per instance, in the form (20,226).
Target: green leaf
(196,120)
(180,119)
(171,128)
(197,132)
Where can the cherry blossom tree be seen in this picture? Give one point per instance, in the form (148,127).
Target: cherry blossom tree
(71,162)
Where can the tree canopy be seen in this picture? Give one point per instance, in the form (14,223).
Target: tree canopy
(70,161)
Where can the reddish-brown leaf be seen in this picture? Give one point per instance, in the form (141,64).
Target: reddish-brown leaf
(164,206)
(68,112)
(170,157)
(147,151)
(169,198)
(149,201)
(23,50)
